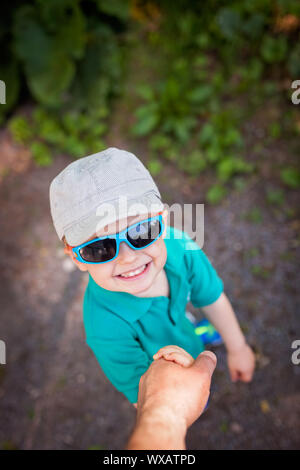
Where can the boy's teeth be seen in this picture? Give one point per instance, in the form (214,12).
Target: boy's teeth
(134,273)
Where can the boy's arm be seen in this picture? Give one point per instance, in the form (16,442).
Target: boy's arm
(240,357)
(207,294)
(221,315)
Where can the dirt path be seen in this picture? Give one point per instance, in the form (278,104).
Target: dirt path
(53,395)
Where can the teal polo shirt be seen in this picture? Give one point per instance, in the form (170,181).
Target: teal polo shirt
(124,331)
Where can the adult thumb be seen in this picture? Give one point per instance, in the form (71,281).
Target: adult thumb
(206,361)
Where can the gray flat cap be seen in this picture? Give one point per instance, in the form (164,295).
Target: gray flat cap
(99,189)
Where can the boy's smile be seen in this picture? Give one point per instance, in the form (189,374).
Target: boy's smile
(133,271)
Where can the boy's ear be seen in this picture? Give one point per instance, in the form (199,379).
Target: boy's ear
(68,251)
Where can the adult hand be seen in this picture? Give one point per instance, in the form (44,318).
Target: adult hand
(171,398)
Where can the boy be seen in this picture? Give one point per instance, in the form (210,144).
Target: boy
(141,271)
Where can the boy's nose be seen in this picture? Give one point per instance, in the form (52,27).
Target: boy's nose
(126,253)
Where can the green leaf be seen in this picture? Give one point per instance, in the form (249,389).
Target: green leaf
(253,27)
(160,142)
(216,193)
(117,8)
(75,146)
(294,61)
(48,127)
(146,110)
(48,69)
(193,163)
(99,73)
(72,36)
(232,137)
(145,125)
(201,94)
(275,196)
(274,49)
(291,177)
(20,129)
(146,92)
(274,130)
(41,154)
(214,152)
(254,216)
(207,134)
(154,166)
(229,22)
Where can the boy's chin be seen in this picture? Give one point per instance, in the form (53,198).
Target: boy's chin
(136,287)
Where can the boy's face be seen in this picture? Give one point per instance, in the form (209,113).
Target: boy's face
(108,275)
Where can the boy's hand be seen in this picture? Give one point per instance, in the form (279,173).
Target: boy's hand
(175,354)
(241,364)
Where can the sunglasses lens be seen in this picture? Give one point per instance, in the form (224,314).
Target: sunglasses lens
(145,233)
(99,251)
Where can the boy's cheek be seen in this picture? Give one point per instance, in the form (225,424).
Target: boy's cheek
(80,266)
(159,252)
(102,275)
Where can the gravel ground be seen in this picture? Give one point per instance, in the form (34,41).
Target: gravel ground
(53,394)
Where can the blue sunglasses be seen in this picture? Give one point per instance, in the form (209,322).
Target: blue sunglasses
(105,249)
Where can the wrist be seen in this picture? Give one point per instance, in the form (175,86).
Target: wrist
(158,428)
(236,347)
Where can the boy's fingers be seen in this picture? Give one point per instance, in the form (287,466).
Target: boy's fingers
(168,349)
(157,355)
(181,359)
(247,376)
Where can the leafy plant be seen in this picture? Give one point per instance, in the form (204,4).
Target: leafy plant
(20,129)
(41,154)
(67,51)
(291,177)
(216,193)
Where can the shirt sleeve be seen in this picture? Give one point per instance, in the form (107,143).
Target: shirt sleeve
(123,361)
(206,285)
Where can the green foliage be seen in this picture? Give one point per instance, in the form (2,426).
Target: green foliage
(231,166)
(192,163)
(67,50)
(41,154)
(209,65)
(274,130)
(275,197)
(273,49)
(206,56)
(216,193)
(20,129)
(75,133)
(291,177)
(254,216)
(260,271)
(154,166)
